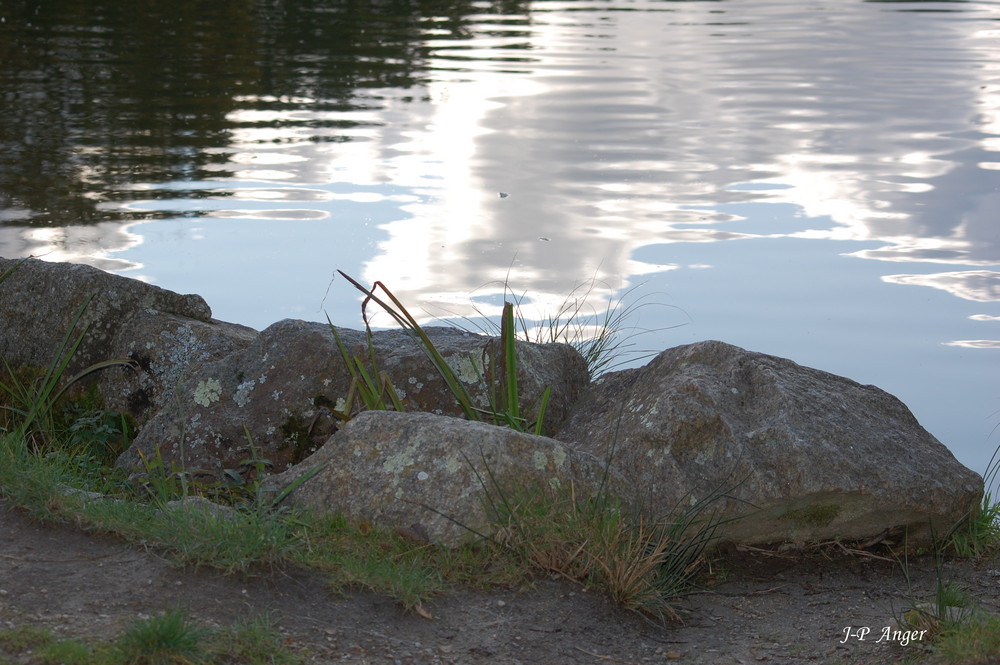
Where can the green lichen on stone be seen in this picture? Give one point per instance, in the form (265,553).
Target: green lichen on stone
(467,368)
(398,463)
(815,516)
(452,464)
(540,460)
(207,391)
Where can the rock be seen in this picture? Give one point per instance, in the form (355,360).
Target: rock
(802,455)
(426,475)
(805,455)
(196,504)
(165,334)
(197,387)
(40,301)
(165,350)
(285,388)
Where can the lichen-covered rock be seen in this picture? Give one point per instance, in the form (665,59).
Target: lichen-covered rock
(165,349)
(40,301)
(428,475)
(165,335)
(804,455)
(286,388)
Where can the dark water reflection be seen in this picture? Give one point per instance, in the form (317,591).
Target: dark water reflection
(813,180)
(100,95)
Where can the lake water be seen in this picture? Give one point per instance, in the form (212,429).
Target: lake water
(816,180)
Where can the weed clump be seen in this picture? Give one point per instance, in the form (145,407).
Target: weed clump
(641,565)
(979,535)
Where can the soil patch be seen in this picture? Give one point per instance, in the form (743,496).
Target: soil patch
(760,608)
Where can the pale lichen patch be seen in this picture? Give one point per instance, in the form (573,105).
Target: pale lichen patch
(540,460)
(396,464)
(452,464)
(242,395)
(207,391)
(467,368)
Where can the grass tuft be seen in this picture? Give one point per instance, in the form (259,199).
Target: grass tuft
(67,652)
(978,536)
(642,566)
(252,642)
(975,641)
(24,638)
(168,639)
(501,386)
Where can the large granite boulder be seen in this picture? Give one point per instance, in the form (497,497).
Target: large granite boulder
(427,475)
(288,386)
(163,333)
(804,455)
(40,300)
(165,349)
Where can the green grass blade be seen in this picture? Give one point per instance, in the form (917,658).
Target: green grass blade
(408,323)
(104,364)
(508,343)
(543,406)
(372,392)
(387,387)
(41,401)
(10,271)
(292,486)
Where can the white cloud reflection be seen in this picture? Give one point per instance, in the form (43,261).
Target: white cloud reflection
(976,285)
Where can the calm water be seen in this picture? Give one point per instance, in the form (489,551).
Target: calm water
(815,180)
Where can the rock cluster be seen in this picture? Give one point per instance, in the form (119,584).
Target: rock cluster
(790,453)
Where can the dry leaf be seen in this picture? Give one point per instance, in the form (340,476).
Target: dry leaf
(419,609)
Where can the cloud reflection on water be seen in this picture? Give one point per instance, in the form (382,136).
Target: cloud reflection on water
(610,156)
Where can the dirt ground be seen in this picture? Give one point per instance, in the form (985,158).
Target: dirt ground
(766,608)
